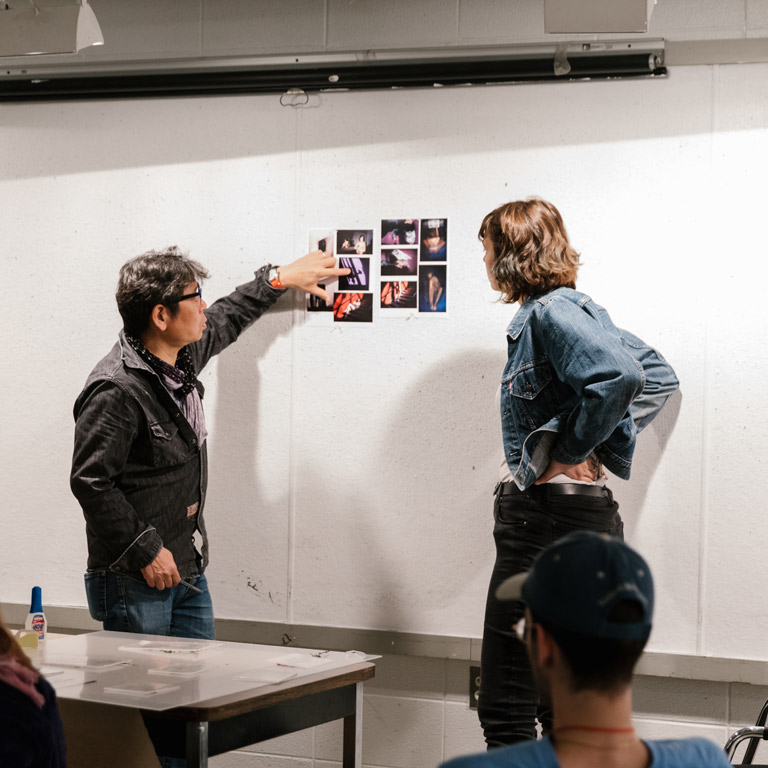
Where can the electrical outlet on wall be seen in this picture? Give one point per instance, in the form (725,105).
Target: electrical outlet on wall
(474,686)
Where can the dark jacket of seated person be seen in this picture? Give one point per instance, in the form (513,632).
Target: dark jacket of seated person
(31,734)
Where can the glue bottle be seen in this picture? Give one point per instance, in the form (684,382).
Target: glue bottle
(36,618)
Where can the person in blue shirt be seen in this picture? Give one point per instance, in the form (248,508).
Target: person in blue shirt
(574,394)
(588,601)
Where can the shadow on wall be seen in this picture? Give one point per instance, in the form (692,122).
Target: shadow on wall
(440,557)
(649,452)
(451,454)
(394,532)
(405,541)
(239,519)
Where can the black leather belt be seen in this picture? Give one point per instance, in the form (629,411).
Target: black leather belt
(554,489)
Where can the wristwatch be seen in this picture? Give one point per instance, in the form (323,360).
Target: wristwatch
(274,278)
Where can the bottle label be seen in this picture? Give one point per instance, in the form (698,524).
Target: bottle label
(38,623)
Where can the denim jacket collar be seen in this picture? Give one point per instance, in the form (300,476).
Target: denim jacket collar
(515,328)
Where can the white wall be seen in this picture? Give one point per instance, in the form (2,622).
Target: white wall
(351,467)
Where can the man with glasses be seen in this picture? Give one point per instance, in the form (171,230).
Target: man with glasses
(139,468)
(588,612)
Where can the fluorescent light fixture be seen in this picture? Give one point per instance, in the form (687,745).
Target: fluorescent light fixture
(426,68)
(41,29)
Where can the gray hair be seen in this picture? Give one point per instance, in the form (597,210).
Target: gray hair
(155,277)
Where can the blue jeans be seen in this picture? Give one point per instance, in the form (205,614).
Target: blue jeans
(525,522)
(125,604)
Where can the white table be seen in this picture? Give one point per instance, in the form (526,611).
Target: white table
(202,698)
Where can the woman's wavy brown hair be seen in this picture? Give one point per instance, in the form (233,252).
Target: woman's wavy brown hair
(10,648)
(531,248)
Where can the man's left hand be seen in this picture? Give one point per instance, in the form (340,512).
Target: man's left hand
(305,273)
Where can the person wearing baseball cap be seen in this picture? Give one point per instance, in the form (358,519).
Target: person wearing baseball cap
(588,615)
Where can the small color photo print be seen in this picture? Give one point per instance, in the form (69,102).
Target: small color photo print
(398,294)
(353,308)
(318,304)
(322,240)
(398,261)
(355,241)
(400,232)
(434,240)
(432,288)
(359,277)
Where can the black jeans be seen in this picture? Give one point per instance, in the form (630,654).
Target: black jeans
(525,522)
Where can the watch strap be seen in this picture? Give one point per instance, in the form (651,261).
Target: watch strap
(274,278)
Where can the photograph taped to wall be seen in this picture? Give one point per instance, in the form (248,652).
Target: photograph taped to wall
(319,304)
(400,232)
(398,295)
(353,308)
(357,241)
(434,240)
(359,277)
(432,288)
(396,262)
(322,240)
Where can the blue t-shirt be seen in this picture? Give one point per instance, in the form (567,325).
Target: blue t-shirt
(672,753)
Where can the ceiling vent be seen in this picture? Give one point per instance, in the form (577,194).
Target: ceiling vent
(48,29)
(572,17)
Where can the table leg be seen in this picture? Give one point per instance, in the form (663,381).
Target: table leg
(197,745)
(353,733)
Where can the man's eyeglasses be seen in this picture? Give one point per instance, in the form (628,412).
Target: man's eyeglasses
(522,629)
(196,294)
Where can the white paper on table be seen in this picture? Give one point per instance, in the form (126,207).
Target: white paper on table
(179,669)
(91,663)
(66,678)
(359,656)
(48,672)
(268,675)
(302,660)
(171,646)
(142,689)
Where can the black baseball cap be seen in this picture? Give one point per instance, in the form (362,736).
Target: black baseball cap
(576,582)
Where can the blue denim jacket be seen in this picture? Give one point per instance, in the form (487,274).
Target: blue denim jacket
(575,383)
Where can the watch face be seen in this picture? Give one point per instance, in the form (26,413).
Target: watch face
(274,278)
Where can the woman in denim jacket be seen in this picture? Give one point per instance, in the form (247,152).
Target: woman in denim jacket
(575,392)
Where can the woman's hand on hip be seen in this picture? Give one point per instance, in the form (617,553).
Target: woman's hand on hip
(586,472)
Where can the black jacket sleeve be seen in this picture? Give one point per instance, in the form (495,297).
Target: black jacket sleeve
(106,423)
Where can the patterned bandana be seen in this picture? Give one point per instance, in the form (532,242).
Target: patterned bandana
(179,380)
(183,373)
